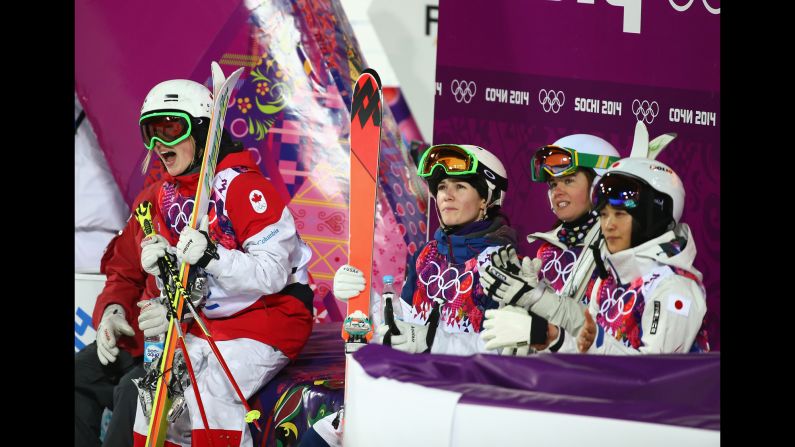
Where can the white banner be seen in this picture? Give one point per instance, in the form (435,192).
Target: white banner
(407,30)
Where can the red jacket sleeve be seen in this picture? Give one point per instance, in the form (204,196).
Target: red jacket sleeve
(127,283)
(252,204)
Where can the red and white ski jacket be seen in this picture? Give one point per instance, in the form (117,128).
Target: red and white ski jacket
(259,286)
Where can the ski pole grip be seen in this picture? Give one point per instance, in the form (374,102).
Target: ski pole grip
(143,214)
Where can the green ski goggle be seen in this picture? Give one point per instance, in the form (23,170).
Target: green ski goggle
(557,161)
(454,159)
(169,128)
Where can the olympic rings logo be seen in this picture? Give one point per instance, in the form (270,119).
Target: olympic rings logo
(559,266)
(183,211)
(620,304)
(551,100)
(645,110)
(686,6)
(442,285)
(463,90)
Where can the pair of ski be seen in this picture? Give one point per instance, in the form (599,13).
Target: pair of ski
(365,139)
(177,295)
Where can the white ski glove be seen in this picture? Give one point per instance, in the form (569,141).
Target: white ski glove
(512,327)
(152,249)
(110,327)
(348,282)
(509,281)
(195,246)
(153,319)
(411,339)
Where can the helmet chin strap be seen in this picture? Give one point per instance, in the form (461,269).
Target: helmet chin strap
(597,256)
(444,226)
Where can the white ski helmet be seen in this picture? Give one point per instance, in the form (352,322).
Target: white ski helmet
(659,176)
(648,190)
(179,94)
(473,161)
(591,152)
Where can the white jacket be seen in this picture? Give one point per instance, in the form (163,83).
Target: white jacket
(653,301)
(563,306)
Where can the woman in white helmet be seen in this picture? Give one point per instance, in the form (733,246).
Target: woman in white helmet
(552,287)
(652,300)
(258,309)
(442,299)
(444,302)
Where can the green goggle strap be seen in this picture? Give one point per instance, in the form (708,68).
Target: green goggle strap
(581,160)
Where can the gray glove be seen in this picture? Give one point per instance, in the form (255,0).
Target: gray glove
(411,339)
(113,325)
(152,249)
(509,281)
(153,319)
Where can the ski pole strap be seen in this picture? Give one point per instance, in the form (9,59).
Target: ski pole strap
(389,319)
(597,257)
(211,252)
(433,323)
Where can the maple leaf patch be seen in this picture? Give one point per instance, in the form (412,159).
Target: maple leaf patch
(258,201)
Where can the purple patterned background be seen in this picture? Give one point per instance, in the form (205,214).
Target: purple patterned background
(517,51)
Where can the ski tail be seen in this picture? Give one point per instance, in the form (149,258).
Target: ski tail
(365,140)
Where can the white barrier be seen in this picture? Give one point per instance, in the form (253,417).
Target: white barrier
(87,287)
(410,414)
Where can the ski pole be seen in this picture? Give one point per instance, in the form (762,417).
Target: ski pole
(145,219)
(181,341)
(251,415)
(168,265)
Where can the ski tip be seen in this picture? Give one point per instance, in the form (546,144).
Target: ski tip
(374,74)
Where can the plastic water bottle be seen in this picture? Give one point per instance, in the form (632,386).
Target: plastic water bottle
(153,349)
(388,293)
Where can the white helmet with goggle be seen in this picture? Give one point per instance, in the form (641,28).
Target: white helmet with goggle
(565,155)
(171,109)
(648,190)
(466,160)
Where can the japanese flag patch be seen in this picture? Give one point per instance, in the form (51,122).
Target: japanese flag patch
(679,305)
(257,200)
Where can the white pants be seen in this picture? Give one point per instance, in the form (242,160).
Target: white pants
(252,363)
